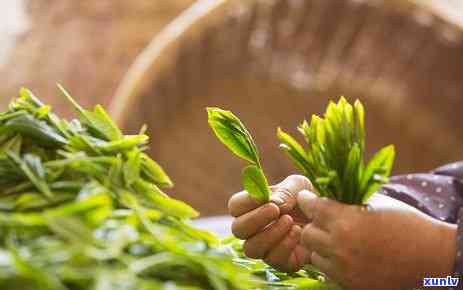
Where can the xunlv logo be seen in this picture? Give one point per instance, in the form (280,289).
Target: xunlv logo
(442,282)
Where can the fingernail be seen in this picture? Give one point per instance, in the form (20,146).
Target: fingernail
(268,206)
(277,200)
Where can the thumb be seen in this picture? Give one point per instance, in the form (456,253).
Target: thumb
(320,210)
(306,201)
(284,194)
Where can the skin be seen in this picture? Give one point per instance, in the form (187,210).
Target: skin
(272,231)
(386,244)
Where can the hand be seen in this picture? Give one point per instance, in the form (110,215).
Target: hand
(386,244)
(272,230)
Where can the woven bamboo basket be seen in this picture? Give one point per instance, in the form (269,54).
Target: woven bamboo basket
(276,63)
(85,45)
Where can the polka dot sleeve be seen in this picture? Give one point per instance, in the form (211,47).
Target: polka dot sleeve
(438,194)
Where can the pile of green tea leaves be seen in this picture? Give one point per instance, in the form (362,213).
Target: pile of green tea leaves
(81,207)
(308,278)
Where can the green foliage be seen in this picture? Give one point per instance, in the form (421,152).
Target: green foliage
(334,157)
(307,278)
(233,134)
(81,207)
(254,181)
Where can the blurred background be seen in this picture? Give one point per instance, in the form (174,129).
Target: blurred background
(273,62)
(85,45)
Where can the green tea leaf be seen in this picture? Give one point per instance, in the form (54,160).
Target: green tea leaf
(34,170)
(154,197)
(98,120)
(35,129)
(13,145)
(377,171)
(359,121)
(153,172)
(124,144)
(42,279)
(29,97)
(293,149)
(255,183)
(132,167)
(352,175)
(232,133)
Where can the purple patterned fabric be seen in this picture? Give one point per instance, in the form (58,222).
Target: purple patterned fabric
(438,194)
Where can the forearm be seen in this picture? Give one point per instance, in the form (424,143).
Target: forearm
(438,194)
(444,255)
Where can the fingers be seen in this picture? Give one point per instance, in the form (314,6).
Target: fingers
(283,256)
(295,183)
(326,266)
(241,203)
(300,257)
(250,223)
(317,240)
(322,263)
(259,245)
(285,193)
(319,210)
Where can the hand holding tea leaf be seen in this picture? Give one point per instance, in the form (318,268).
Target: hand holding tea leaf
(272,231)
(333,161)
(233,134)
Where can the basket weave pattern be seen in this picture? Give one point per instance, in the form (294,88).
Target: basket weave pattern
(275,63)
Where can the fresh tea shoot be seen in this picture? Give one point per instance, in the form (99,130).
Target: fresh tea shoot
(334,156)
(233,134)
(81,207)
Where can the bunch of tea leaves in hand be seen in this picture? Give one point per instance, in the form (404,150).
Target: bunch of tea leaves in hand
(233,134)
(334,157)
(81,207)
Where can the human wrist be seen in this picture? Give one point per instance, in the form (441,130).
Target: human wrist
(445,250)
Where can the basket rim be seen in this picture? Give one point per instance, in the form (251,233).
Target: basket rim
(161,50)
